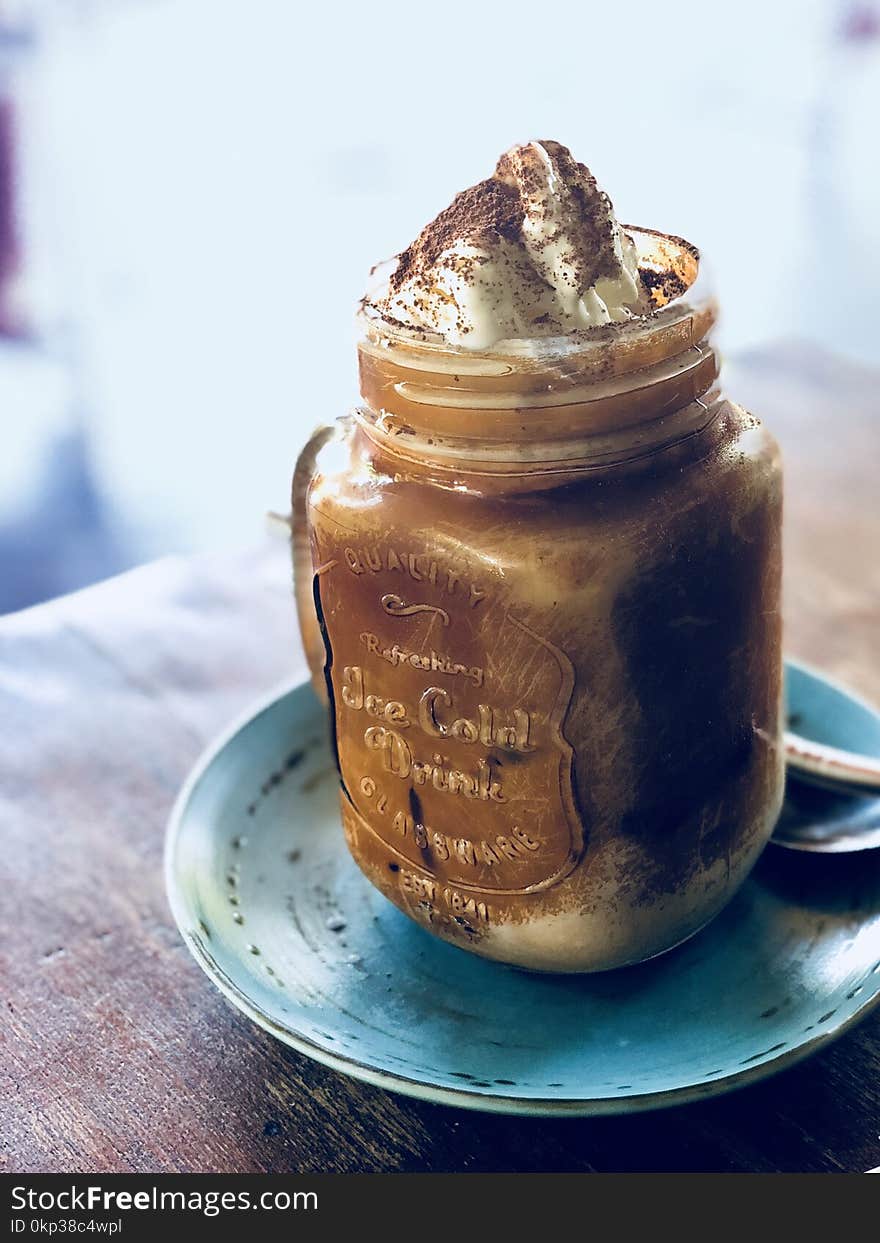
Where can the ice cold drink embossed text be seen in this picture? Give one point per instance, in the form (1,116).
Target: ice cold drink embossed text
(537,574)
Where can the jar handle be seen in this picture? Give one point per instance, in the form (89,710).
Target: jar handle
(303,572)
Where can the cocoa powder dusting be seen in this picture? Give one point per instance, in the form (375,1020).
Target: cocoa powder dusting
(498,206)
(486,208)
(517,254)
(664,285)
(590,218)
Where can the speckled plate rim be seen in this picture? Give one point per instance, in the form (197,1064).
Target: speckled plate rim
(391,1081)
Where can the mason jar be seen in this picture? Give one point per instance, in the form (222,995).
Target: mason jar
(539,588)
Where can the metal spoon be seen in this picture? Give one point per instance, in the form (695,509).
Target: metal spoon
(832,800)
(826,821)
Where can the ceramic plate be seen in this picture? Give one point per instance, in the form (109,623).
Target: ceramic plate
(279,917)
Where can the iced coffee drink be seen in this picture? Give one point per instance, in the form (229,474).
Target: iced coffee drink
(538,574)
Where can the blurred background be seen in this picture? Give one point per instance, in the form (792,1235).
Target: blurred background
(192,193)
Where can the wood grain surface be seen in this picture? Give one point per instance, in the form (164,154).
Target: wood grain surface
(117,1053)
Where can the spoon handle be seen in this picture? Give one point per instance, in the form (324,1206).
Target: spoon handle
(831,767)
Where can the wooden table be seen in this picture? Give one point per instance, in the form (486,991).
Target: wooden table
(117,1052)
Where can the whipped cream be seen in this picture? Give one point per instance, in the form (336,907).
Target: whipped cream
(533,251)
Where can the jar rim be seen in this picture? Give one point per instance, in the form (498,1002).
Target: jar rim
(599,393)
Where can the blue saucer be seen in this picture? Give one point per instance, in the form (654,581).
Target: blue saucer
(280,918)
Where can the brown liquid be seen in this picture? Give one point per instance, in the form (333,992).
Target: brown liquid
(555,696)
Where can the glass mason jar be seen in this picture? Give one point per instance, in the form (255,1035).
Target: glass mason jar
(540,588)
